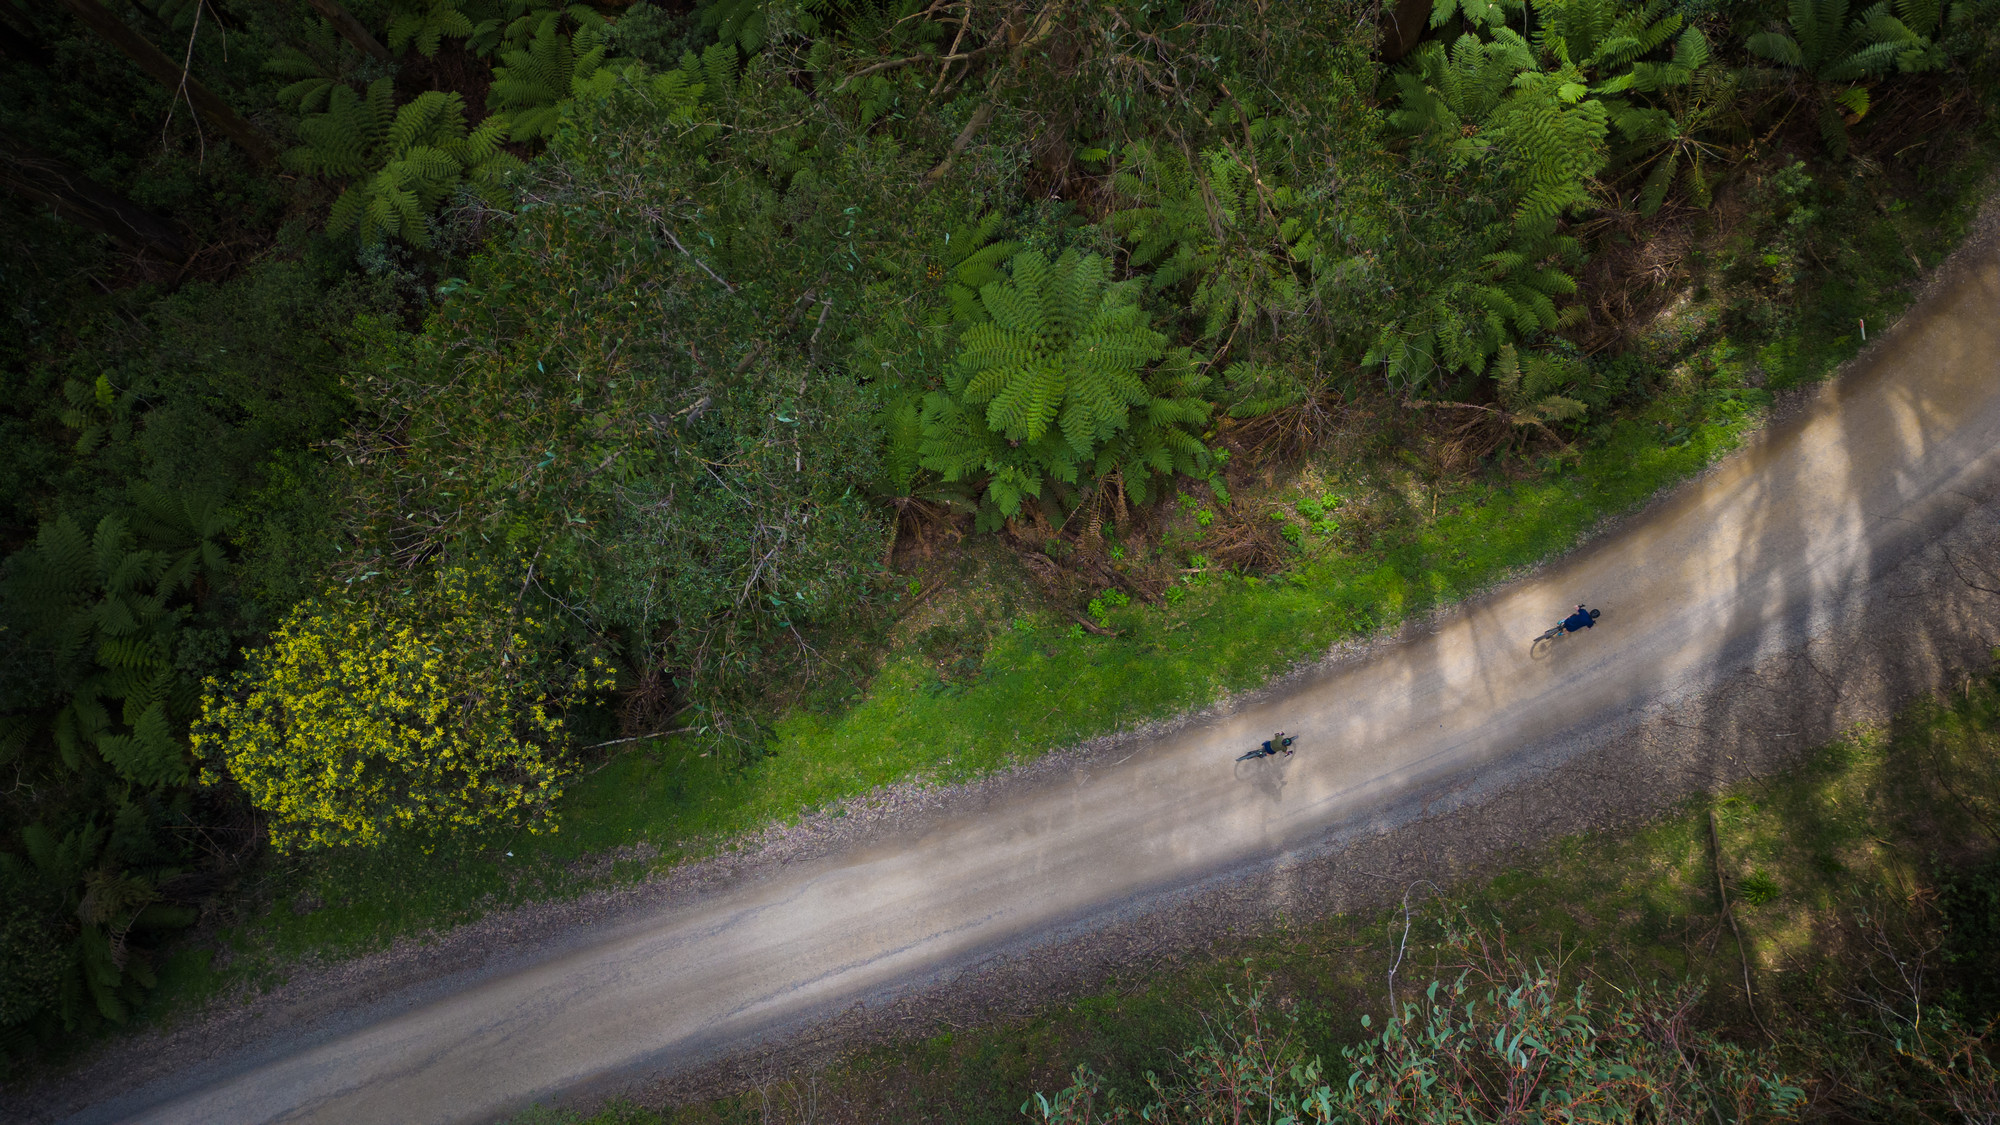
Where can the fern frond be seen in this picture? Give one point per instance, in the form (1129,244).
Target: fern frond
(423,24)
(431,118)
(718,69)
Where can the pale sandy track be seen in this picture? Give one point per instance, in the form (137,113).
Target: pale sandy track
(1757,558)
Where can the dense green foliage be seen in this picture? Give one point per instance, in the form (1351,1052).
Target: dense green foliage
(683,319)
(604,395)
(439,709)
(157,535)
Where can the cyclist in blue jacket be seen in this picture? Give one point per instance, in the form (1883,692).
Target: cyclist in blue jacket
(1581,619)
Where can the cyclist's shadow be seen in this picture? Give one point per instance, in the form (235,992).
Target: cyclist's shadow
(1550,648)
(1267,774)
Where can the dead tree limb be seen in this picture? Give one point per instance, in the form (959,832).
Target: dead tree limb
(350,29)
(205,102)
(43,178)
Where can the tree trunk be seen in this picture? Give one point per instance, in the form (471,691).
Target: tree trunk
(168,73)
(1403,24)
(85,202)
(350,28)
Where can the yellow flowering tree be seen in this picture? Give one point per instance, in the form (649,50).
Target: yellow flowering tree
(441,708)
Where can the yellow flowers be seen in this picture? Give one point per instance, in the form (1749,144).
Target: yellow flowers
(439,710)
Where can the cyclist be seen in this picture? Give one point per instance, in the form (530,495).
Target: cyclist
(1278,743)
(1581,619)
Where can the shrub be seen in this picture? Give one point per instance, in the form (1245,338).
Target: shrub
(1506,1041)
(440,710)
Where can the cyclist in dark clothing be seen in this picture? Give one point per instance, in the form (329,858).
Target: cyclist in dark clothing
(1279,743)
(1581,619)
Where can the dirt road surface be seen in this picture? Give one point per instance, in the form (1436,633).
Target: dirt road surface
(1771,551)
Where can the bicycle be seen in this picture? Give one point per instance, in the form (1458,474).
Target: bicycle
(1265,751)
(1559,630)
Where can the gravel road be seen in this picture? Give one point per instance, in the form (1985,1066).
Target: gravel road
(1860,521)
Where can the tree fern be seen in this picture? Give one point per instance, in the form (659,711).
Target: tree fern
(1211,221)
(97,411)
(676,94)
(404,159)
(1162,437)
(1449,94)
(904,477)
(1604,36)
(1489,100)
(95,609)
(1063,346)
(1554,138)
(424,24)
(738,23)
(902,441)
(487,26)
(188,529)
(750,24)
(948,269)
(1827,55)
(1490,110)
(1465,317)
(343,141)
(97,975)
(1669,141)
(318,64)
(1491,13)
(150,755)
(1053,380)
(1540,388)
(533,80)
(521,22)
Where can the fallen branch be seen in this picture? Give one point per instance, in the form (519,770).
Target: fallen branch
(1742,949)
(878,67)
(638,737)
(944,68)
(979,119)
(1091,625)
(1508,417)
(697,261)
(891,64)
(923,597)
(1044,26)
